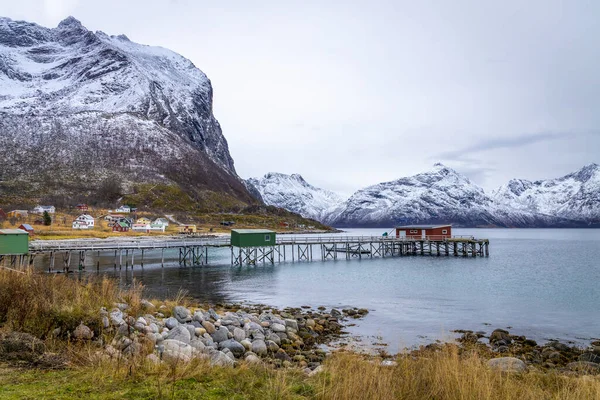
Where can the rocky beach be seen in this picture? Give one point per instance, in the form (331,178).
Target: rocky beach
(302,338)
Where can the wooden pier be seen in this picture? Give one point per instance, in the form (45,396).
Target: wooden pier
(72,254)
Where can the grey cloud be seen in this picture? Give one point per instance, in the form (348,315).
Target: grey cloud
(500,143)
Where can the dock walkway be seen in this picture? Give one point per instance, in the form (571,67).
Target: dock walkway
(193,251)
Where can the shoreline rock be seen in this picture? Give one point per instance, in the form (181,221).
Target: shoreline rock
(258,334)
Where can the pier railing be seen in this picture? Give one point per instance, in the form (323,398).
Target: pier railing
(166,243)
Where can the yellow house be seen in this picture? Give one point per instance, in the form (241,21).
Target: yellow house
(144,221)
(187,228)
(17,214)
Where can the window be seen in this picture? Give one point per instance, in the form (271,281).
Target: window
(444,231)
(267,238)
(414,231)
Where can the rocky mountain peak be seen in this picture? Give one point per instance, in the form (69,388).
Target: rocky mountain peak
(293,193)
(108,107)
(586,173)
(71,23)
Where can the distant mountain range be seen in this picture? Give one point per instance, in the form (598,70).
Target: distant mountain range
(443,195)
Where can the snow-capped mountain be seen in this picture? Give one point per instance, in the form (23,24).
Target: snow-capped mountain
(441,195)
(573,196)
(293,193)
(78,107)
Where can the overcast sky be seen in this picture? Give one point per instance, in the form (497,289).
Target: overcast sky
(353,93)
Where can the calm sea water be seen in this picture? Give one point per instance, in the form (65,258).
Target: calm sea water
(544,284)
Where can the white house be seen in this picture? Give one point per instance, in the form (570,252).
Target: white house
(140,228)
(161,221)
(123,209)
(154,227)
(84,221)
(41,209)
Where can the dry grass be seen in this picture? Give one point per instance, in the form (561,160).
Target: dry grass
(445,375)
(38,304)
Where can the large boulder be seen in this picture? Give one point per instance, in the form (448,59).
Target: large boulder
(182,314)
(259,347)
(220,359)
(235,347)
(500,335)
(220,334)
(291,323)
(180,333)
(83,332)
(239,334)
(116,317)
(507,364)
(209,326)
(584,366)
(171,322)
(175,350)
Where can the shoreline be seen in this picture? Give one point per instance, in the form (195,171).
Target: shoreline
(102,339)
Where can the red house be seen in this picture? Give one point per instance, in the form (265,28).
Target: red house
(82,207)
(432,232)
(120,227)
(27,228)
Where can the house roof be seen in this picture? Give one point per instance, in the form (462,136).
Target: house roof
(422,226)
(123,224)
(27,227)
(246,231)
(13,232)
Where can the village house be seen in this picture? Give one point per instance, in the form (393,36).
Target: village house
(143,220)
(42,209)
(18,214)
(120,227)
(161,221)
(157,227)
(141,228)
(27,228)
(84,221)
(123,209)
(82,207)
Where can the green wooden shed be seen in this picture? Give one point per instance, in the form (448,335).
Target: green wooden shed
(14,242)
(252,238)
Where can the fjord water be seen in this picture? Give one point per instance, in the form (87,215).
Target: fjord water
(543,284)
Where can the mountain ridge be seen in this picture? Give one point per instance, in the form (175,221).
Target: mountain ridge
(442,195)
(293,193)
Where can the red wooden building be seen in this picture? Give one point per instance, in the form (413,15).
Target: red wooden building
(432,232)
(120,227)
(82,207)
(27,228)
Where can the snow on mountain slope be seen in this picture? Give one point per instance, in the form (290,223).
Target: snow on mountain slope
(438,196)
(293,193)
(94,106)
(574,196)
